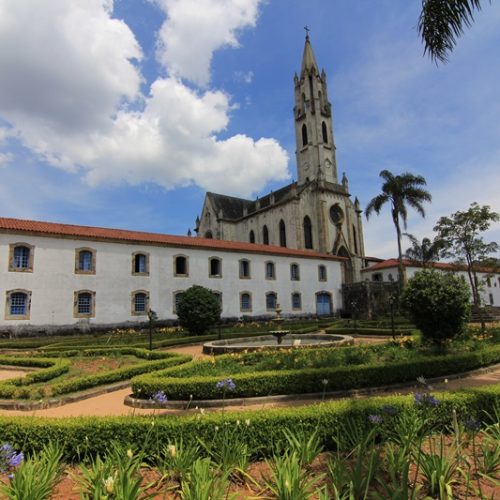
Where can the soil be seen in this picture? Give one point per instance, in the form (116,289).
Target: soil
(112,403)
(6,374)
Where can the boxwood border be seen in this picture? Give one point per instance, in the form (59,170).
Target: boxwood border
(309,380)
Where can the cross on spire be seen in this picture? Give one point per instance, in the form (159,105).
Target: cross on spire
(307,31)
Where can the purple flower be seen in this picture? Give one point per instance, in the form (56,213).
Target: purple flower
(16,459)
(9,459)
(472,424)
(390,410)
(159,397)
(226,385)
(424,399)
(375,419)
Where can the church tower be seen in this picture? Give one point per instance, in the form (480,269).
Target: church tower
(313,123)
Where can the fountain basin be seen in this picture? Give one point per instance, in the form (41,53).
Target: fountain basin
(265,342)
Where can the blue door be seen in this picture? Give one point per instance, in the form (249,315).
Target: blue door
(323,304)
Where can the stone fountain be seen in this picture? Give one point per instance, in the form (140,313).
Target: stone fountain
(279,333)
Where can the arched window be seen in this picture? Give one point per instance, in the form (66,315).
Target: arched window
(140,263)
(140,303)
(209,235)
(215,267)
(251,237)
(84,304)
(18,304)
(355,239)
(244,268)
(322,273)
(180,265)
(271,301)
(270,271)
(304,135)
(282,234)
(245,302)
(294,272)
(265,235)
(21,257)
(324,132)
(308,239)
(296,301)
(85,261)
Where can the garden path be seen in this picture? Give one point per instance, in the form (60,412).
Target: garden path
(112,403)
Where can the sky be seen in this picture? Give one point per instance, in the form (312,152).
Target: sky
(124,113)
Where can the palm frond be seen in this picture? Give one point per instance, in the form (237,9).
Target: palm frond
(441,22)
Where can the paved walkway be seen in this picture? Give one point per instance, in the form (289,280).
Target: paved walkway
(112,403)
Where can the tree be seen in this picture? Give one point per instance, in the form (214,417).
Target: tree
(461,235)
(400,191)
(442,22)
(425,252)
(438,304)
(198,309)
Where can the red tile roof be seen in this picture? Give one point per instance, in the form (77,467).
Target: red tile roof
(390,263)
(52,229)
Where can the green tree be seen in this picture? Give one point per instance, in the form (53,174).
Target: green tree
(442,22)
(198,309)
(425,252)
(461,233)
(400,191)
(438,304)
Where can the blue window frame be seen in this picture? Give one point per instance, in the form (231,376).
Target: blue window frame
(296,301)
(246,302)
(18,304)
(21,257)
(271,301)
(85,260)
(84,303)
(140,302)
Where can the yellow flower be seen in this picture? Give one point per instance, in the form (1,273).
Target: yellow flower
(172,450)
(130,453)
(109,484)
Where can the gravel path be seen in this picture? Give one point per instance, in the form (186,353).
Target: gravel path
(112,403)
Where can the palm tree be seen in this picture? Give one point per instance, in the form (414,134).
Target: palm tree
(424,252)
(442,22)
(400,191)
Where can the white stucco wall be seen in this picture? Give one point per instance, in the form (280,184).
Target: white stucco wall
(53,281)
(490,294)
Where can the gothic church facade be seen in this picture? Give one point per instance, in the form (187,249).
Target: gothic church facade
(314,213)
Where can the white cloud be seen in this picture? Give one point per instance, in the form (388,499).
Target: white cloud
(195,29)
(68,89)
(242,76)
(5,159)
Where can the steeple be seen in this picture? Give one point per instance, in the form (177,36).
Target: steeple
(313,122)
(309,64)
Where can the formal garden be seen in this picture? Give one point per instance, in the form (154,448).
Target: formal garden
(425,444)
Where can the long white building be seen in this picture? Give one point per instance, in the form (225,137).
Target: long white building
(64,276)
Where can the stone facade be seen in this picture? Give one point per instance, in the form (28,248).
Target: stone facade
(317,211)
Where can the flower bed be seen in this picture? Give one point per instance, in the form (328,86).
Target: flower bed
(53,371)
(305,371)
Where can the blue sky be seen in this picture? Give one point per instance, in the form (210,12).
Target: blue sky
(122,114)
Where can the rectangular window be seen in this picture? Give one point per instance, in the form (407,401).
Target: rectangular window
(18,304)
(296,301)
(270,275)
(84,303)
(246,302)
(294,272)
(322,273)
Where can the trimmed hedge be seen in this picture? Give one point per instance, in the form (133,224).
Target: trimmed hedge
(84,436)
(57,367)
(342,330)
(308,380)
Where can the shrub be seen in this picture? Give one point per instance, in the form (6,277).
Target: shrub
(198,309)
(438,304)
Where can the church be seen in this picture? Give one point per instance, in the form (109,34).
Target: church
(317,211)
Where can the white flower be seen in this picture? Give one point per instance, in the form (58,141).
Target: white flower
(172,450)
(237,422)
(130,453)
(445,380)
(247,422)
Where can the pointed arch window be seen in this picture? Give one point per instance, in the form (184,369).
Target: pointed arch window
(355,239)
(324,132)
(304,135)
(251,236)
(282,234)
(265,235)
(308,239)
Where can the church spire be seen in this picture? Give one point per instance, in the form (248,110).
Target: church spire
(308,59)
